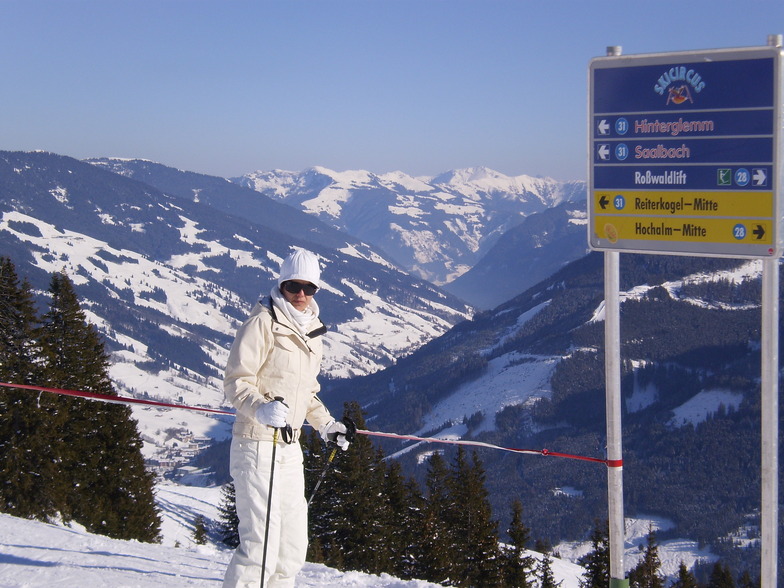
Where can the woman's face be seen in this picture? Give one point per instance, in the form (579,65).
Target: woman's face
(298,300)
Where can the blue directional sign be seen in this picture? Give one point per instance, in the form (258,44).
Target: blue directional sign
(685,152)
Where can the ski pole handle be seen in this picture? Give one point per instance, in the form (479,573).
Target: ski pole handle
(287,431)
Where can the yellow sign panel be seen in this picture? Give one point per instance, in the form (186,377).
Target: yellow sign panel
(696,230)
(691,204)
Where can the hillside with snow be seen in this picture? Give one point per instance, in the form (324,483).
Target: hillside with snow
(167,279)
(39,554)
(529,374)
(435,227)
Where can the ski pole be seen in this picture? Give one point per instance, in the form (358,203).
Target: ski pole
(269,498)
(351,430)
(324,471)
(269,506)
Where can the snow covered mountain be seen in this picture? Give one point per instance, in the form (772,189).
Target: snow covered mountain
(437,228)
(529,374)
(167,263)
(167,279)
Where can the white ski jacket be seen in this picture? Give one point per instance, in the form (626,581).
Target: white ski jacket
(270,358)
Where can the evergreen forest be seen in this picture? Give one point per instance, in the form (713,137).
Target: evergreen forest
(60,457)
(366,515)
(680,338)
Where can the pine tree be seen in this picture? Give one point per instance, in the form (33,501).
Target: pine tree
(351,506)
(200,530)
(103,481)
(545,572)
(597,561)
(646,573)
(405,505)
(229,521)
(746,581)
(314,462)
(28,458)
(721,577)
(19,351)
(435,543)
(685,578)
(519,566)
(473,531)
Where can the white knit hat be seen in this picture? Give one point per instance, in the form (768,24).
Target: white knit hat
(300,265)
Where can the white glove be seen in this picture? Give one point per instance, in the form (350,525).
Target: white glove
(335,431)
(273,414)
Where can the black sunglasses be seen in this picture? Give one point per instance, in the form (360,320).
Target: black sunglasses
(296,288)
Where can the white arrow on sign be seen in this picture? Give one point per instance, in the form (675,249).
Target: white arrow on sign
(604,127)
(760,177)
(604,151)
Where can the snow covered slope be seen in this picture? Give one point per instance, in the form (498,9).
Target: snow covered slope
(38,554)
(436,228)
(33,553)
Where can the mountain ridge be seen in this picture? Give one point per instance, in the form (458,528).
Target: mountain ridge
(544,341)
(436,228)
(167,280)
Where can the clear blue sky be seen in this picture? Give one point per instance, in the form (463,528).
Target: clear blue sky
(227,87)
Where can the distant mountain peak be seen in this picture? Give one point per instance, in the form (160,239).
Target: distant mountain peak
(436,228)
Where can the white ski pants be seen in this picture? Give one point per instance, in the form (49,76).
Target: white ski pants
(287,547)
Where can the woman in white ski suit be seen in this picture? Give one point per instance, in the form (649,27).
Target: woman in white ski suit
(276,354)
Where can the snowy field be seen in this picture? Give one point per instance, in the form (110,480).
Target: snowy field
(35,554)
(38,554)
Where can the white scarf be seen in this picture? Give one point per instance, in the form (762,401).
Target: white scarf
(300,319)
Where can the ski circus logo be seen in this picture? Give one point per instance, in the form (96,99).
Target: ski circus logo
(679,95)
(679,84)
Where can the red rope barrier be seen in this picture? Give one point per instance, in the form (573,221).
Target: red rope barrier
(615,463)
(545,452)
(114,399)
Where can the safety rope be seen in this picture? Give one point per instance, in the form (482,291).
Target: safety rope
(114,399)
(612,463)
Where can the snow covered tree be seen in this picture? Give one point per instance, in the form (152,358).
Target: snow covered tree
(229,521)
(597,561)
(404,510)
(102,477)
(646,573)
(315,460)
(28,457)
(545,572)
(19,351)
(519,566)
(366,517)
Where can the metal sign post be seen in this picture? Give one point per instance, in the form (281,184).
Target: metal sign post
(769,515)
(686,159)
(612,370)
